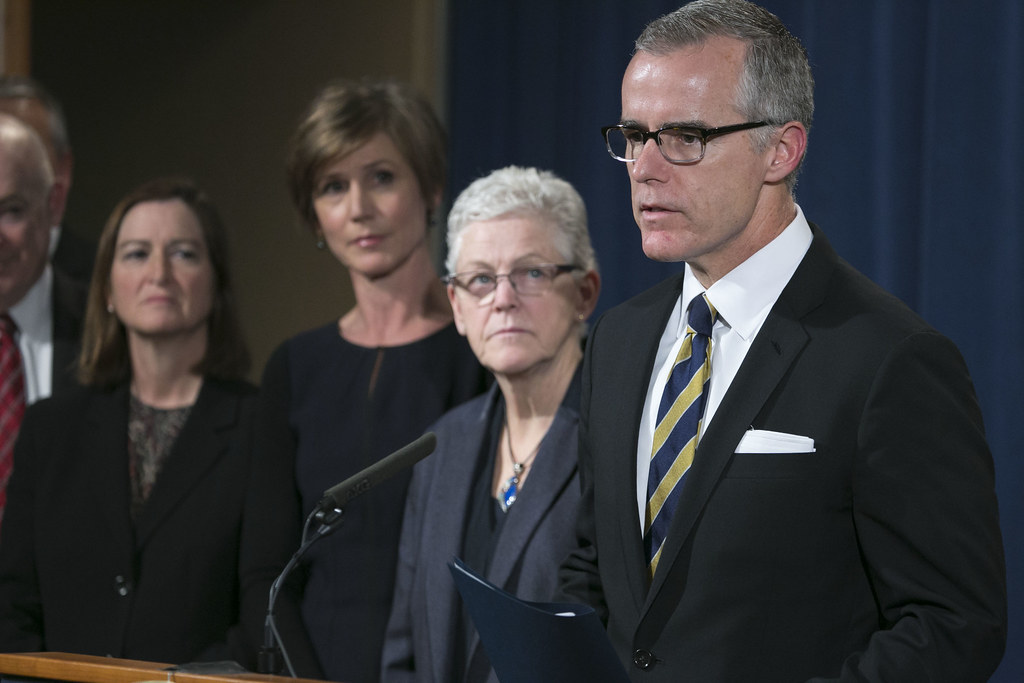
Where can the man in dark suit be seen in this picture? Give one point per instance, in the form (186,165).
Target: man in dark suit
(27,100)
(41,308)
(838,520)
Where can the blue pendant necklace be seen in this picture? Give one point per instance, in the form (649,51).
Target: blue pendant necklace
(510,489)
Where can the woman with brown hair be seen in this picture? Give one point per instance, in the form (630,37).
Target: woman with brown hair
(124,512)
(366,173)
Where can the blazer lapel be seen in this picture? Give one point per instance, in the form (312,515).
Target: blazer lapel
(633,372)
(551,473)
(776,347)
(203,440)
(444,534)
(106,446)
(68,301)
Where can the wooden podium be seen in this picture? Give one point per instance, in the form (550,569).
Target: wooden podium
(60,666)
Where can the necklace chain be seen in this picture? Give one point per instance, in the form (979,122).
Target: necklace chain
(518,466)
(510,489)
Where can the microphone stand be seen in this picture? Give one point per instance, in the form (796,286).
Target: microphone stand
(328,513)
(273,652)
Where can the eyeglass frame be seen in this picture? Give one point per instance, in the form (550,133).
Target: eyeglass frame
(702,134)
(560,269)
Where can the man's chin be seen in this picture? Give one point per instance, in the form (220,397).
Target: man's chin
(657,248)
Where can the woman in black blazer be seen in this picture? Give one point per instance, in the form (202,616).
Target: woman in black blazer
(121,530)
(501,490)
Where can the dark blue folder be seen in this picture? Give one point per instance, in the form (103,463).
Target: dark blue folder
(537,642)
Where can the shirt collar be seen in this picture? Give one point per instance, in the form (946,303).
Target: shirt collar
(744,296)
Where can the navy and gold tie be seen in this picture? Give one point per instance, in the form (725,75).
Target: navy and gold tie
(679,418)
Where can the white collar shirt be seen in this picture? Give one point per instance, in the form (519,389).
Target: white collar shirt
(34,317)
(743,299)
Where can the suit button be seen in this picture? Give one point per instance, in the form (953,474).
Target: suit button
(642,659)
(122,585)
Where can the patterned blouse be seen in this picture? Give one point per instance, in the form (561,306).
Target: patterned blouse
(151,436)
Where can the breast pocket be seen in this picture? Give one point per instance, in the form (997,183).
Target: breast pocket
(773,465)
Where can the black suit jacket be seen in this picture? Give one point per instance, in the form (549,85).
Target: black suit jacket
(69,297)
(74,255)
(77,576)
(876,557)
(536,536)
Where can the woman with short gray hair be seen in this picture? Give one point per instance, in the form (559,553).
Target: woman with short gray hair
(501,489)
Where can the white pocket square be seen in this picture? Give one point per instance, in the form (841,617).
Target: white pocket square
(764,441)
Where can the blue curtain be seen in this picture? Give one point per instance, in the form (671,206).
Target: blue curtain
(915,168)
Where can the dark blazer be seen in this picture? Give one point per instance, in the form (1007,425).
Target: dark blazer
(537,535)
(77,576)
(876,557)
(69,297)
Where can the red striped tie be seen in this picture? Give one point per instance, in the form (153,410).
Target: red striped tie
(12,401)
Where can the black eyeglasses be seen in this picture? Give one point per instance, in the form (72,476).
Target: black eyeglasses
(525,280)
(678,144)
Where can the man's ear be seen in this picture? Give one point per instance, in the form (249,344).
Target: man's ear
(787,151)
(56,202)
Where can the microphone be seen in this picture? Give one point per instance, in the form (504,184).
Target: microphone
(328,513)
(338,496)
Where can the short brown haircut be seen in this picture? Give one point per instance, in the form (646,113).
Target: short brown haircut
(345,115)
(104,360)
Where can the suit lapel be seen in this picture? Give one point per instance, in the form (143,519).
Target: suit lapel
(203,440)
(773,351)
(106,446)
(68,300)
(447,512)
(647,319)
(551,474)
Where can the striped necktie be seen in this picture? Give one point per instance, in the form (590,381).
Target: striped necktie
(12,401)
(679,419)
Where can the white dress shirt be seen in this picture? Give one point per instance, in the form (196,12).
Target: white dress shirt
(743,299)
(34,317)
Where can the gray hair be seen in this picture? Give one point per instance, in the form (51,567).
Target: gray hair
(776,84)
(514,191)
(19,141)
(25,88)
